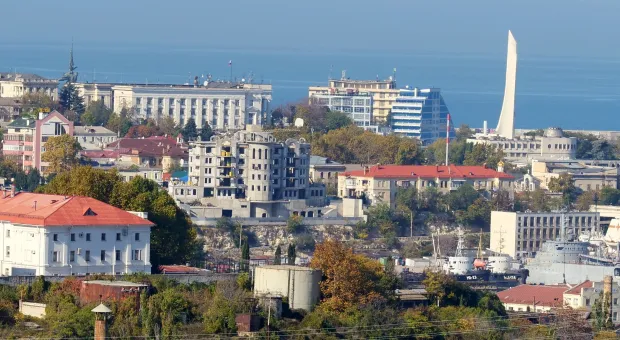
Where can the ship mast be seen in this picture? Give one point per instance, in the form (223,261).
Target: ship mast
(480,245)
(459,245)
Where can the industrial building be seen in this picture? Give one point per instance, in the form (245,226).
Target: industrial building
(521,234)
(299,284)
(251,174)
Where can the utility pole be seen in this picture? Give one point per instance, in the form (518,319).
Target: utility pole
(411,224)
(269,318)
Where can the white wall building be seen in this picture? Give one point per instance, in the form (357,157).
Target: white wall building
(58,235)
(520,234)
(94,137)
(223,105)
(356,104)
(13,85)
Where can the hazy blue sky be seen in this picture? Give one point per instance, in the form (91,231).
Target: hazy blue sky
(542,27)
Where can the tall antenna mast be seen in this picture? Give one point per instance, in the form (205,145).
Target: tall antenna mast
(459,245)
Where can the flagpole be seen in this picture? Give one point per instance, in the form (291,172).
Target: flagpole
(230,65)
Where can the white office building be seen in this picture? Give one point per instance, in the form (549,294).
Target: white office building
(59,235)
(223,105)
(356,104)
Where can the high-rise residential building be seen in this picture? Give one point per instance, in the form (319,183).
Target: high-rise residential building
(251,174)
(521,234)
(383,92)
(15,85)
(421,114)
(24,141)
(223,105)
(357,104)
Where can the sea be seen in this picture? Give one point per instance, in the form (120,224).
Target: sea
(567,92)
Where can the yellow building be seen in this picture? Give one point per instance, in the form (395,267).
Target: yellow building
(384,93)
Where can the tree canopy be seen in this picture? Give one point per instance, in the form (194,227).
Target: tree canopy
(190,131)
(96,114)
(62,153)
(70,100)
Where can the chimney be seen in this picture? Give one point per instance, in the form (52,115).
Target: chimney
(12,190)
(35,205)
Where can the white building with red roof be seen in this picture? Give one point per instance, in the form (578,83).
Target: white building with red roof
(533,298)
(70,235)
(380,183)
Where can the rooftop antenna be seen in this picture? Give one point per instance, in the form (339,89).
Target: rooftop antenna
(394,75)
(343,75)
(329,76)
(448,141)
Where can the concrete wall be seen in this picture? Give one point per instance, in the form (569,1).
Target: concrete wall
(33,309)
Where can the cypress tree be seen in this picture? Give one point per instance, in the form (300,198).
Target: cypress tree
(278,256)
(206,132)
(291,254)
(189,131)
(245,256)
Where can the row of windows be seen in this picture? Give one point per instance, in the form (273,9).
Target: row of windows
(56,257)
(183,101)
(88,236)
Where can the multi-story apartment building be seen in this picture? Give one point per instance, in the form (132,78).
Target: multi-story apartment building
(324,170)
(250,174)
(521,234)
(421,114)
(384,92)
(15,85)
(553,145)
(61,235)
(24,141)
(355,103)
(379,184)
(223,105)
(94,137)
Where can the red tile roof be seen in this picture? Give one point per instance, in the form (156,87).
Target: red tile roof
(178,269)
(56,210)
(152,146)
(428,171)
(548,296)
(100,153)
(577,289)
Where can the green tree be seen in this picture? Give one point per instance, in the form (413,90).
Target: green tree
(168,126)
(190,131)
(277,257)
(96,114)
(34,102)
(71,100)
(462,197)
(295,224)
(206,132)
(245,257)
(291,254)
(585,200)
(336,120)
(476,214)
(61,152)
(609,196)
(464,132)
(565,185)
(600,311)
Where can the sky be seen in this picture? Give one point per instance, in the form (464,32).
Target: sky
(567,28)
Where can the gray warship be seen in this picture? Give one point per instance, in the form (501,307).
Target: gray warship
(570,261)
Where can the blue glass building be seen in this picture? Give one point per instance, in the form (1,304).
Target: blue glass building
(421,114)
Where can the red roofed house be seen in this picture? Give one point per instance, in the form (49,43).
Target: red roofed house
(157,152)
(70,235)
(533,298)
(381,182)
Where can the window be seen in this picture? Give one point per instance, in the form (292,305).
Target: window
(72,256)
(102,236)
(8,233)
(55,256)
(118,255)
(615,301)
(87,256)
(137,237)
(8,251)
(587,302)
(55,237)
(102,256)
(72,237)
(58,129)
(137,255)
(87,236)
(118,236)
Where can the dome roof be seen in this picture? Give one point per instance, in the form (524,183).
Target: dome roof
(554,132)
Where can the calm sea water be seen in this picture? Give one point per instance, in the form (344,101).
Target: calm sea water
(551,91)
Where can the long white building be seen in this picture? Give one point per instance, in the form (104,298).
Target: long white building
(223,105)
(60,235)
(15,85)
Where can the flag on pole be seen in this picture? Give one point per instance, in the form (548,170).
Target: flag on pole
(230,63)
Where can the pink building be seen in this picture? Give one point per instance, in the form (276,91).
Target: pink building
(25,138)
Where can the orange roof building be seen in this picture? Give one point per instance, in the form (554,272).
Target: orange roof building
(70,235)
(381,182)
(533,298)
